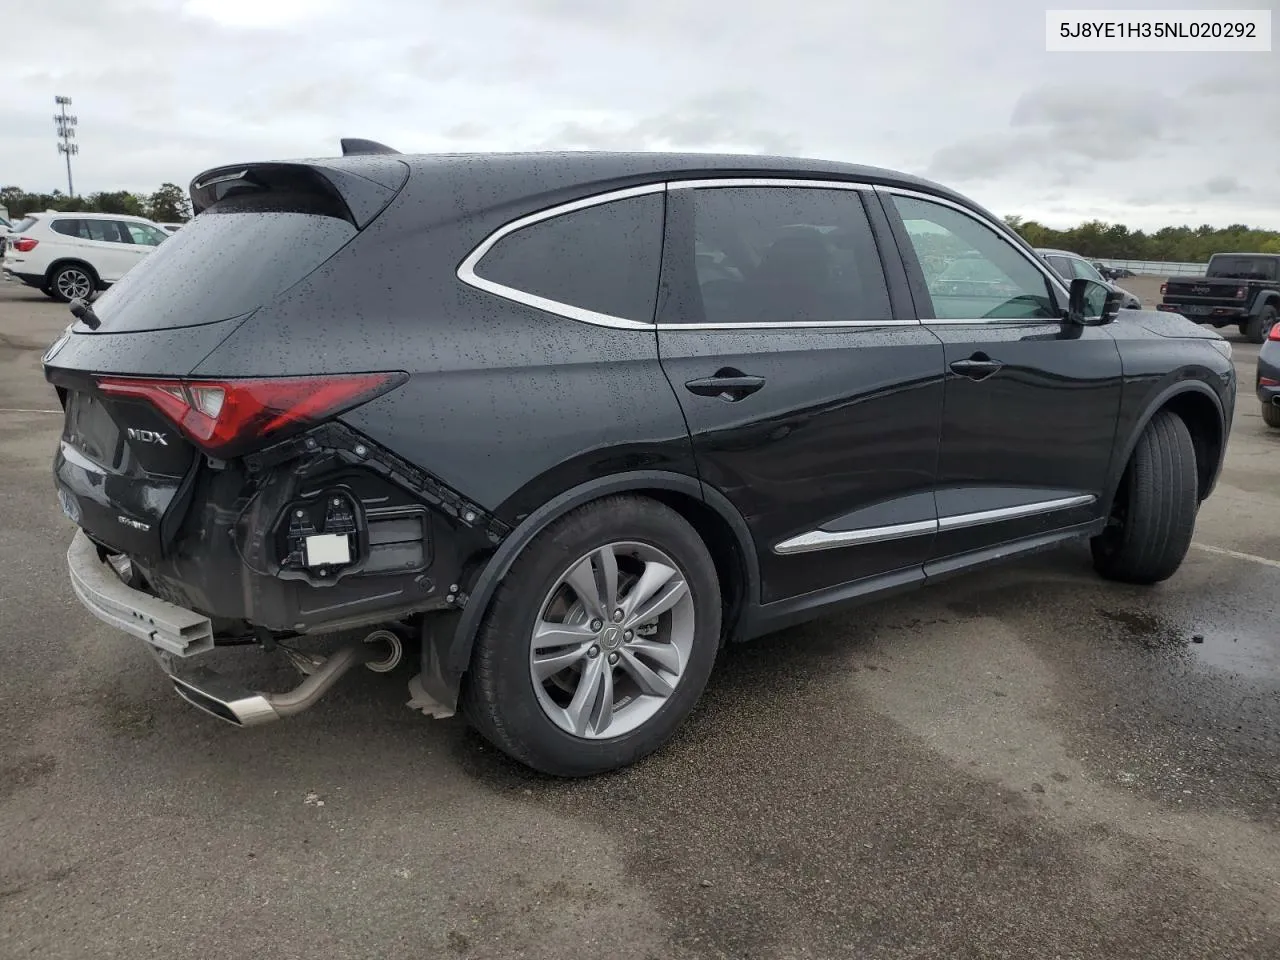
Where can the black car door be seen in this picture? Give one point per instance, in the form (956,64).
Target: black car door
(812,394)
(1031,402)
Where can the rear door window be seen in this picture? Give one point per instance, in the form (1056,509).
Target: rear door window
(107,231)
(602,260)
(778,255)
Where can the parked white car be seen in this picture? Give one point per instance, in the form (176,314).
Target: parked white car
(70,255)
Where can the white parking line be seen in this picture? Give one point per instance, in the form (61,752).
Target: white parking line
(1223,551)
(25,410)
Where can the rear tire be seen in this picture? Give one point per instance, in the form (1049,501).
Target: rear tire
(1271,415)
(71,281)
(1257,328)
(510,694)
(1154,513)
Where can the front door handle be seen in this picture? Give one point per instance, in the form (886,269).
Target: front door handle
(728,384)
(977,367)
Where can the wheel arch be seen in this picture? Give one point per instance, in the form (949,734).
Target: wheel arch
(72,262)
(446,653)
(1200,408)
(1269,298)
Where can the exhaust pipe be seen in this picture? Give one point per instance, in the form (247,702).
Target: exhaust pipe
(227,700)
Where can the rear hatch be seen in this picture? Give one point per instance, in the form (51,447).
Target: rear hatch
(136,427)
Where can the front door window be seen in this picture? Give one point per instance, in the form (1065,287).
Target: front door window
(972,272)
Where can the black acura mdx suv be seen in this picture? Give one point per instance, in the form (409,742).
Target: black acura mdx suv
(562,425)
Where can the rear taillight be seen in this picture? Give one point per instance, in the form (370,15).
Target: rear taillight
(1164,288)
(25,244)
(1241,292)
(227,417)
(1275,332)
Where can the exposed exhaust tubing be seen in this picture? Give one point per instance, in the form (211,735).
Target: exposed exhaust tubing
(229,701)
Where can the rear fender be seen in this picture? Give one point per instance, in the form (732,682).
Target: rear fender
(447,646)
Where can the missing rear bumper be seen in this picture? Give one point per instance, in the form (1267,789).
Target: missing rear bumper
(175,635)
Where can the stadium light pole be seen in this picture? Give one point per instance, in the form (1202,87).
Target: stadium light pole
(66,126)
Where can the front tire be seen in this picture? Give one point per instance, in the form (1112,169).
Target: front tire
(1257,328)
(71,281)
(599,640)
(1154,514)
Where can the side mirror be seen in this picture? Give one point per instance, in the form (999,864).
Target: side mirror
(1092,304)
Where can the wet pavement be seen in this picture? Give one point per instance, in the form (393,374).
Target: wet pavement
(1022,763)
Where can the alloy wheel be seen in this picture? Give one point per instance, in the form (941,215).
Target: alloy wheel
(73,283)
(612,640)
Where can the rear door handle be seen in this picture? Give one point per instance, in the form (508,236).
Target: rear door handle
(728,385)
(976,368)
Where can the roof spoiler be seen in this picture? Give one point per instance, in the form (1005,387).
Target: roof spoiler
(354,146)
(361,186)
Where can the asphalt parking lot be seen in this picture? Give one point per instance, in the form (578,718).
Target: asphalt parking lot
(1028,763)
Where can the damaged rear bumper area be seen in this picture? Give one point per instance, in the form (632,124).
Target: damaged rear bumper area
(177,637)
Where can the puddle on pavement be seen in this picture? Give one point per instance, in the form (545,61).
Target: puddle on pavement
(1241,651)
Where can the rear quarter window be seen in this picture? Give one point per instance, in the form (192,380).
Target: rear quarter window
(69,228)
(603,259)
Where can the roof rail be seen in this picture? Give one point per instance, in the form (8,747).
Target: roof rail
(352,146)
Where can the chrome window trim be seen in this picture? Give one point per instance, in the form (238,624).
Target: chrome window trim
(833,539)
(790,325)
(802,182)
(1002,230)
(467,269)
(989,321)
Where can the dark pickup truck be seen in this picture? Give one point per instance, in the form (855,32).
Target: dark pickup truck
(1238,289)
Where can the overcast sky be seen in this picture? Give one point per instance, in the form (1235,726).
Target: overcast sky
(958,90)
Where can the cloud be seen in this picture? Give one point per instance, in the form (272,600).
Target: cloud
(166,88)
(1221,186)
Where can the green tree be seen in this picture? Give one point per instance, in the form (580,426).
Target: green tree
(169,204)
(118,201)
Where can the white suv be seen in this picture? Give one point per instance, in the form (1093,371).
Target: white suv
(70,255)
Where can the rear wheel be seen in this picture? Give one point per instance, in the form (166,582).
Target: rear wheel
(1256,328)
(599,640)
(71,281)
(1271,414)
(1154,513)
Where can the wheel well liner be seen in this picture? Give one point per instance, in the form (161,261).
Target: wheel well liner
(717,521)
(1201,410)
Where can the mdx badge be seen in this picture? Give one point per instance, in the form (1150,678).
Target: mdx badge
(147,436)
